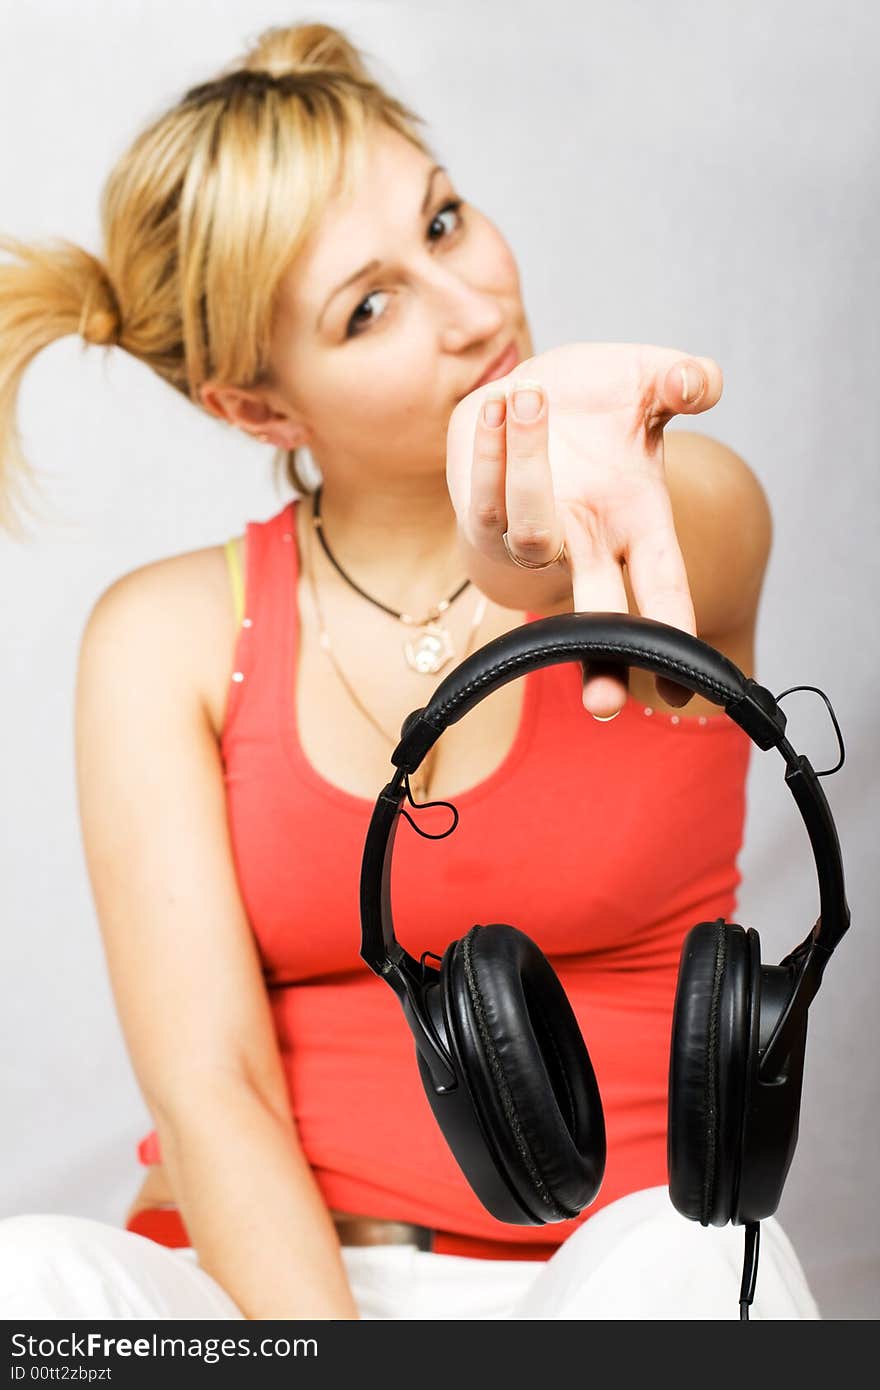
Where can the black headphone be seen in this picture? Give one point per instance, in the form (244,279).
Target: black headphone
(500,1052)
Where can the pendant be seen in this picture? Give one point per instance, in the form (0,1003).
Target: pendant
(430,651)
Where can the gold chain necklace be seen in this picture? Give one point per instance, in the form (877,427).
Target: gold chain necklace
(420,780)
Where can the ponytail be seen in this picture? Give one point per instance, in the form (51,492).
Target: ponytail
(46,293)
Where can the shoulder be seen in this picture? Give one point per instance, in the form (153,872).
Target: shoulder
(701,472)
(725,529)
(176,613)
(161,591)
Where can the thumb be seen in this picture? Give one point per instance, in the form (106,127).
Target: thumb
(690,386)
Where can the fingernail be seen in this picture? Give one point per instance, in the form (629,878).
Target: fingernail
(528,399)
(494,405)
(691,383)
(602,718)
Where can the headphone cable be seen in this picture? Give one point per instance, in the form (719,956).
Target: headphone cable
(750,1268)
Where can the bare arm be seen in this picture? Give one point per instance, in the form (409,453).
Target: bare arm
(183,964)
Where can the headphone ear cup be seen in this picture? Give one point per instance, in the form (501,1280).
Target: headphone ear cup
(708,1069)
(773,1104)
(519,1048)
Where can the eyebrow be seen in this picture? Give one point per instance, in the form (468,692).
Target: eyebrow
(374,264)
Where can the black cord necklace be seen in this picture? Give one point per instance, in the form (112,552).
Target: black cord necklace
(430,651)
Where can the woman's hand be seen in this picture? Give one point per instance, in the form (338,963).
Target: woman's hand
(578,456)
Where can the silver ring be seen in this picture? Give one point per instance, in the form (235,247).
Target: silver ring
(530,564)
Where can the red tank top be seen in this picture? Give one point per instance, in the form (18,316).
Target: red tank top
(604,842)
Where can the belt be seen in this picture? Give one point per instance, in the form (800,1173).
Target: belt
(377,1230)
(162,1222)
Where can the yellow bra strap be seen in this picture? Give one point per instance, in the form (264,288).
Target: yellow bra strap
(233,559)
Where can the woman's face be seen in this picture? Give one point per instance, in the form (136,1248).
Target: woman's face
(400,302)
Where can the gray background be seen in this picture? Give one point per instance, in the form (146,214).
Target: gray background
(698,176)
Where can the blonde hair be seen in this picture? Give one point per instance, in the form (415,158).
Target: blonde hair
(201,218)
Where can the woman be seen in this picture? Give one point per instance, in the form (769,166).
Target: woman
(237,706)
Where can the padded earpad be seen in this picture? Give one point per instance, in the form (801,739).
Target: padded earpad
(520,1049)
(707,1071)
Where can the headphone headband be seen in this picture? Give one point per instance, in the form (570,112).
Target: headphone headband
(634,641)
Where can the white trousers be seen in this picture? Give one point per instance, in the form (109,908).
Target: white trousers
(635,1259)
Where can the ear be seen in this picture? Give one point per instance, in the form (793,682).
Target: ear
(249,409)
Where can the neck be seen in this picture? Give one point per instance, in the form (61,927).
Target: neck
(399,541)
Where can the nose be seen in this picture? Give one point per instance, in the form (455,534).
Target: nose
(467,314)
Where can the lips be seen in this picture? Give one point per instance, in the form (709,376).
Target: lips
(500,367)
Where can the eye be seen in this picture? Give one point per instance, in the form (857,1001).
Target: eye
(356,323)
(453,206)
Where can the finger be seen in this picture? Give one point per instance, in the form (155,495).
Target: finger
(487,515)
(534,532)
(605,688)
(690,386)
(597,587)
(659,578)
